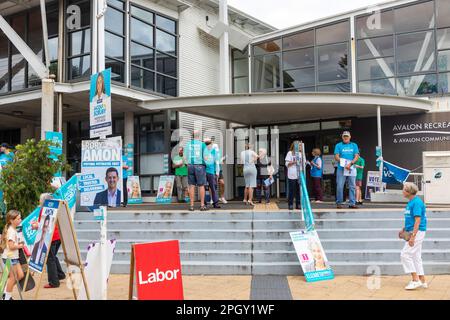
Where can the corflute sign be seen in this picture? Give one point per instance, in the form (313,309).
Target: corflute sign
(158,271)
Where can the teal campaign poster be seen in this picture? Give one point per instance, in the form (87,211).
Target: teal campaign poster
(311,255)
(134,190)
(100,104)
(68,193)
(55,151)
(128,152)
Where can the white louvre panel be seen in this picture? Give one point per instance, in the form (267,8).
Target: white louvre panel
(187,122)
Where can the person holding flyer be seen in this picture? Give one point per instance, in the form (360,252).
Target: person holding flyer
(346,154)
(179,163)
(316,174)
(293,174)
(10,245)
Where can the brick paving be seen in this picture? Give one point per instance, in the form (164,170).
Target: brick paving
(238,288)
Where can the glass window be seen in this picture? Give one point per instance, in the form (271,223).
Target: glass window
(142,78)
(52,23)
(166,85)
(418,85)
(298,58)
(166,64)
(267,47)
(444,60)
(142,14)
(443,13)
(3,62)
(340,87)
(18,64)
(333,62)
(166,24)
(142,56)
(165,42)
(443,39)
(415,52)
(80,42)
(237,54)
(266,72)
(306,89)
(117,69)
(114,20)
(141,32)
(376,24)
(415,17)
(376,68)
(151,163)
(299,40)
(381,86)
(240,85)
(53,48)
(116,3)
(79,67)
(444,83)
(114,46)
(299,78)
(240,68)
(339,32)
(151,142)
(376,47)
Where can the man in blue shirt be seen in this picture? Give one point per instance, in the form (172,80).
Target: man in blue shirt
(195,149)
(346,152)
(125,168)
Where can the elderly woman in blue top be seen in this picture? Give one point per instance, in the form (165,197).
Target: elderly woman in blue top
(349,152)
(415,227)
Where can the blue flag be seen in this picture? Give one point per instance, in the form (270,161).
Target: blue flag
(393,174)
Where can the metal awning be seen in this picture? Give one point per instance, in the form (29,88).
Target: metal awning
(273,108)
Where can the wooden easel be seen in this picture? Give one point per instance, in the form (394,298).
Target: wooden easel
(64,220)
(131,285)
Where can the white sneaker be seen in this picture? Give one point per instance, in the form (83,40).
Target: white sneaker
(413,285)
(424,285)
(223,200)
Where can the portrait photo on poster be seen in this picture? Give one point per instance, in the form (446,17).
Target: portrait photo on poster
(44,235)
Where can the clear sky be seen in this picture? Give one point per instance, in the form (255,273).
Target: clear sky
(286,13)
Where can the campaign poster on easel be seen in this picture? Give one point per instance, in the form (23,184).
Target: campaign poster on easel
(165,189)
(373,184)
(44,235)
(100,104)
(311,255)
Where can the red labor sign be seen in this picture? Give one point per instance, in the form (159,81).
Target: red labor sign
(157,270)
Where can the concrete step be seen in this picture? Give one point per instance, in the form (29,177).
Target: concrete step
(290,268)
(256,215)
(288,256)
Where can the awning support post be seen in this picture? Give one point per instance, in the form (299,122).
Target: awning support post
(380,145)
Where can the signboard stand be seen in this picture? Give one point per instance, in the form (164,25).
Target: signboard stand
(69,243)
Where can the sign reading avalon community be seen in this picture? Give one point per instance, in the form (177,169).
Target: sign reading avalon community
(100,104)
(157,269)
(312,257)
(100,182)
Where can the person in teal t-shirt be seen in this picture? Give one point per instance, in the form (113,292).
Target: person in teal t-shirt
(211,158)
(414,234)
(196,169)
(359,164)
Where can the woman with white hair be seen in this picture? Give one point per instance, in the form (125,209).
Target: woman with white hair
(413,233)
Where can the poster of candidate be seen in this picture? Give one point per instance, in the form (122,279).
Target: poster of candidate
(100,104)
(312,257)
(134,190)
(165,189)
(44,235)
(100,182)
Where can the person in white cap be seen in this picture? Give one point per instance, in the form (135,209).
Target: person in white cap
(349,152)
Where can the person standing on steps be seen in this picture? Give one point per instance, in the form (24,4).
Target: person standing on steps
(346,152)
(293,174)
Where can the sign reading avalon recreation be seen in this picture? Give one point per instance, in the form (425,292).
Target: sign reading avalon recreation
(100,104)
(157,269)
(100,182)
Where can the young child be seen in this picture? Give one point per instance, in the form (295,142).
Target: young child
(10,244)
